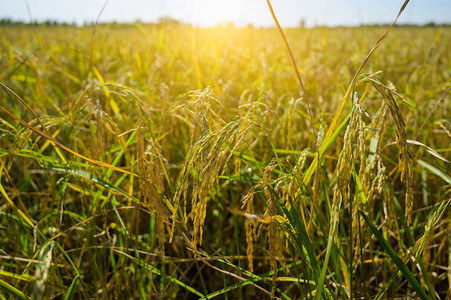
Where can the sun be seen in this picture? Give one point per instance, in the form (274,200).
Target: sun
(212,13)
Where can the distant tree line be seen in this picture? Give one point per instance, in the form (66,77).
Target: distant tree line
(50,23)
(176,23)
(10,22)
(429,24)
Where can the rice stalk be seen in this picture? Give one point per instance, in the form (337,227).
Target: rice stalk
(271,211)
(353,147)
(405,158)
(151,185)
(250,226)
(208,157)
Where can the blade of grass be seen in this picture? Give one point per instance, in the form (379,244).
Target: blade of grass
(430,150)
(157,272)
(358,185)
(322,275)
(435,171)
(107,185)
(396,259)
(13,291)
(11,203)
(331,130)
(24,277)
(293,62)
(255,278)
(97,180)
(48,137)
(302,236)
(74,268)
(71,289)
(28,107)
(298,76)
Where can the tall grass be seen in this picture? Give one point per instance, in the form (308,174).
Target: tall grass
(176,162)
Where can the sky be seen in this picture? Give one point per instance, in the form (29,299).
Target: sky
(242,12)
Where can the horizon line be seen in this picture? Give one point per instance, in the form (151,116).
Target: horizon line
(5,21)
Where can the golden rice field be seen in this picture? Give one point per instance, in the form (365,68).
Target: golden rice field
(174,162)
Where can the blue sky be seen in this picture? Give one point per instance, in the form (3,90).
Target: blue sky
(241,12)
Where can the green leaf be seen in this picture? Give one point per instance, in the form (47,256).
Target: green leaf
(256,278)
(12,290)
(330,240)
(71,289)
(295,220)
(396,259)
(358,185)
(158,272)
(435,171)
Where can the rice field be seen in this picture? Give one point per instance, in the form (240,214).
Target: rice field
(168,161)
